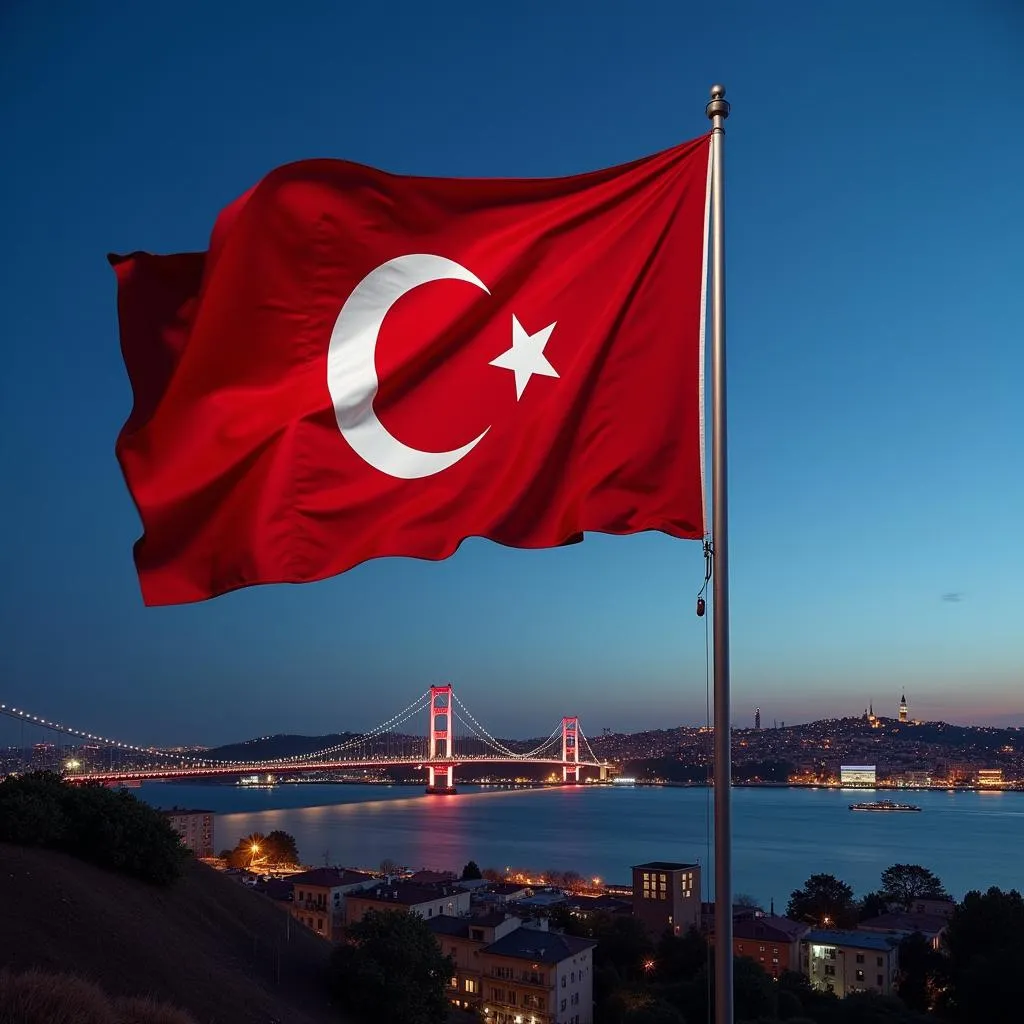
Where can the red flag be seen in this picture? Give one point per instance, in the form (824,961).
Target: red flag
(365,364)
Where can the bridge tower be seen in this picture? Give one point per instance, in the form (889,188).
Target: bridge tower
(570,751)
(441,770)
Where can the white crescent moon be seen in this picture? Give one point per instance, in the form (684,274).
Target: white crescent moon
(352,372)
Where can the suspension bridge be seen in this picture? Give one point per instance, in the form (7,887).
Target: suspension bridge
(453,737)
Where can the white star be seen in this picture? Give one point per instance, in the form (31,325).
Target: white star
(526,356)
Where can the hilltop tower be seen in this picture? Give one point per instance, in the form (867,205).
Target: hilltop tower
(903,708)
(757,718)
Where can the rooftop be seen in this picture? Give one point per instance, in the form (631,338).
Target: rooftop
(506,888)
(774,929)
(539,947)
(664,865)
(329,877)
(426,877)
(488,920)
(856,940)
(407,895)
(444,924)
(926,924)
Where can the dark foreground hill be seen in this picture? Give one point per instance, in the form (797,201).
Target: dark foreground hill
(205,944)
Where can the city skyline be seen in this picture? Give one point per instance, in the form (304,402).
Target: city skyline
(12,730)
(874,370)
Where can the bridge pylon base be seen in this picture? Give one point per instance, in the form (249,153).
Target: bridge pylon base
(447,790)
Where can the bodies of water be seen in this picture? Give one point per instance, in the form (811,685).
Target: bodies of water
(780,836)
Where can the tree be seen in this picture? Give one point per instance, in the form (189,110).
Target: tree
(31,810)
(622,943)
(389,967)
(985,941)
(389,867)
(679,957)
(753,990)
(744,899)
(88,821)
(872,905)
(279,848)
(873,1008)
(656,1011)
(921,968)
(823,901)
(788,1005)
(471,872)
(903,883)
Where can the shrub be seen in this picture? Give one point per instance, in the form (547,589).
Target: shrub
(148,1011)
(111,829)
(37,997)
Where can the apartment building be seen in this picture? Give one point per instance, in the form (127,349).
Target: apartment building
(195,828)
(850,961)
(462,938)
(666,896)
(425,901)
(773,942)
(318,898)
(517,974)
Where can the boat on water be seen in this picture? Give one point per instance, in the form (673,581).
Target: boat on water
(883,805)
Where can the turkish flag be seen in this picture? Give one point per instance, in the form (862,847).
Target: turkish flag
(365,364)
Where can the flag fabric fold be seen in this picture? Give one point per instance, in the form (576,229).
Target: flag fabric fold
(364,364)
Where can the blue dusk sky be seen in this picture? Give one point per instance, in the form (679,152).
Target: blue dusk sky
(876,350)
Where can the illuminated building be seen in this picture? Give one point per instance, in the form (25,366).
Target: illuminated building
(844,961)
(864,775)
(511,972)
(757,718)
(773,942)
(45,757)
(195,828)
(903,708)
(424,901)
(989,777)
(667,895)
(318,898)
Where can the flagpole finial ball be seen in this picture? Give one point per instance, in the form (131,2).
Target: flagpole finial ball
(719,106)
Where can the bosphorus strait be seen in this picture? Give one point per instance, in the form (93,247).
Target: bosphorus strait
(781,835)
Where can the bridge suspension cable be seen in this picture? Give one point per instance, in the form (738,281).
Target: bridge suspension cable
(401,718)
(494,744)
(483,734)
(21,715)
(586,743)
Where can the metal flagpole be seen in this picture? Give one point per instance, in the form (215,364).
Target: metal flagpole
(717,111)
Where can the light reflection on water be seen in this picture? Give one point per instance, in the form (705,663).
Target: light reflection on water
(780,836)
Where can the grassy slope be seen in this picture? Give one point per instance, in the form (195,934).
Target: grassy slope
(207,944)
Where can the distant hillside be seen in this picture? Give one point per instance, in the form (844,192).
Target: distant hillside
(206,944)
(267,748)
